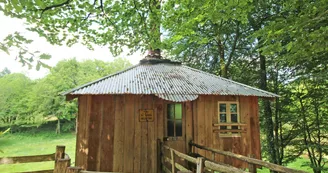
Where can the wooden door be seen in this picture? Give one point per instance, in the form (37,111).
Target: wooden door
(175,128)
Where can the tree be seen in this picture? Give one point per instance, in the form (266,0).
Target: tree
(14,90)
(102,22)
(295,37)
(67,74)
(207,34)
(18,43)
(4,72)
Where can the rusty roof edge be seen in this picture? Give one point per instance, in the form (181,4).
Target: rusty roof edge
(98,80)
(263,91)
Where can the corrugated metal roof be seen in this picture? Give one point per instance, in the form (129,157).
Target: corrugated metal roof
(170,81)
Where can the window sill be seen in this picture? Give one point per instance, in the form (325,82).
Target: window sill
(180,138)
(229,135)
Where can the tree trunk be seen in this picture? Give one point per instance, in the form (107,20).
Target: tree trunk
(268,122)
(58,127)
(155,30)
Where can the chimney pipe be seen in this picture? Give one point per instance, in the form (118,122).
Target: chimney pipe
(155,54)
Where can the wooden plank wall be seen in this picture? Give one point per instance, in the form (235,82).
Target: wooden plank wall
(205,113)
(110,136)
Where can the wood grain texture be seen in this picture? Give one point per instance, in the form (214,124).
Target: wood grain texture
(107,135)
(119,134)
(201,123)
(137,135)
(128,133)
(144,138)
(27,159)
(94,128)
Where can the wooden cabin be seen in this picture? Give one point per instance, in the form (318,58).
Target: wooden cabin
(122,116)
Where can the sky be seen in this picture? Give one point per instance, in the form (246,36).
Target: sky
(58,53)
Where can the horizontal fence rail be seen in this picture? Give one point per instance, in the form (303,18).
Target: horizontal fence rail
(62,161)
(200,162)
(27,159)
(251,161)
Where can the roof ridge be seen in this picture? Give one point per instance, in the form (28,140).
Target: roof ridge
(232,81)
(98,80)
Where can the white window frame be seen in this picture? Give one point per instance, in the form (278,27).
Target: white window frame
(228,117)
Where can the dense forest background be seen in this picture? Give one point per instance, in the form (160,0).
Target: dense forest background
(26,103)
(279,46)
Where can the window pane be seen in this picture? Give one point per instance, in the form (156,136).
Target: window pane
(223,127)
(233,108)
(234,118)
(170,111)
(234,127)
(178,127)
(178,111)
(223,108)
(170,128)
(223,118)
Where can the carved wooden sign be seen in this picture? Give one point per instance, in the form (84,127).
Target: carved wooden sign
(146,115)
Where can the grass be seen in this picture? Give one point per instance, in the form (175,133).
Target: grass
(23,144)
(297,164)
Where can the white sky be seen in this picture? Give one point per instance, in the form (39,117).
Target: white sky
(10,25)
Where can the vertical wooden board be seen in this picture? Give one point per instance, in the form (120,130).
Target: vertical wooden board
(237,148)
(255,128)
(227,146)
(107,138)
(94,136)
(208,113)
(81,139)
(119,134)
(137,134)
(144,138)
(160,118)
(189,125)
(128,133)
(85,139)
(215,136)
(201,123)
(244,118)
(151,141)
(194,122)
(101,132)
(159,124)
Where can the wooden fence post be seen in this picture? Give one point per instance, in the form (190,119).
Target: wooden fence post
(252,167)
(61,165)
(200,165)
(73,170)
(159,155)
(213,158)
(60,152)
(173,161)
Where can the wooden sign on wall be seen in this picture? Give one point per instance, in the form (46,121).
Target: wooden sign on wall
(146,115)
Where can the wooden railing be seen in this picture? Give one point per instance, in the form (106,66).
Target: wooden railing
(201,163)
(62,161)
(251,161)
(29,159)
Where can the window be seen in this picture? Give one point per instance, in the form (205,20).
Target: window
(228,117)
(174,120)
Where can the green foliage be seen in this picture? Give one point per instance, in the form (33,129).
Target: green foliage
(107,23)
(280,46)
(212,31)
(300,31)
(18,43)
(24,102)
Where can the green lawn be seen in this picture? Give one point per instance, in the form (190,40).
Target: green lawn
(298,164)
(24,144)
